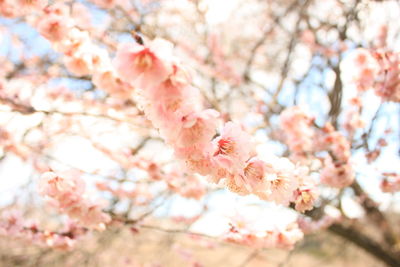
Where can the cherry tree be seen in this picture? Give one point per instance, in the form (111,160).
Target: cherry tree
(111,110)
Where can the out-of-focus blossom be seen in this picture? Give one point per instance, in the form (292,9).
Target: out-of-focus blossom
(337,174)
(278,238)
(12,224)
(53,26)
(105,3)
(353,120)
(296,126)
(390,183)
(67,193)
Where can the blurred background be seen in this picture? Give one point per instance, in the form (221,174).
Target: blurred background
(250,59)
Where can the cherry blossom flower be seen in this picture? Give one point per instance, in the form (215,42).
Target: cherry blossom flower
(388,81)
(233,148)
(8,9)
(282,182)
(252,177)
(79,64)
(306,194)
(196,129)
(144,66)
(108,81)
(53,27)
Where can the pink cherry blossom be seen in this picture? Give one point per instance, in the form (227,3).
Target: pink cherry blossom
(53,27)
(8,9)
(305,195)
(282,182)
(108,81)
(232,148)
(197,128)
(388,81)
(79,64)
(252,177)
(144,65)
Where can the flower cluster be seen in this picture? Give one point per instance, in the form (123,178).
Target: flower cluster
(66,192)
(174,107)
(388,79)
(300,131)
(13,224)
(338,171)
(276,238)
(365,69)
(296,125)
(81,56)
(376,69)
(16,8)
(353,121)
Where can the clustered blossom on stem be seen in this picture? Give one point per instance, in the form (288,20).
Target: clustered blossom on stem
(353,121)
(296,125)
(390,182)
(81,56)
(377,69)
(66,192)
(338,171)
(388,80)
(365,69)
(174,107)
(13,224)
(299,129)
(276,238)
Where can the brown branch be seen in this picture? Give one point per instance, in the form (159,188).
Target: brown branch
(367,244)
(262,40)
(335,97)
(376,216)
(26,110)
